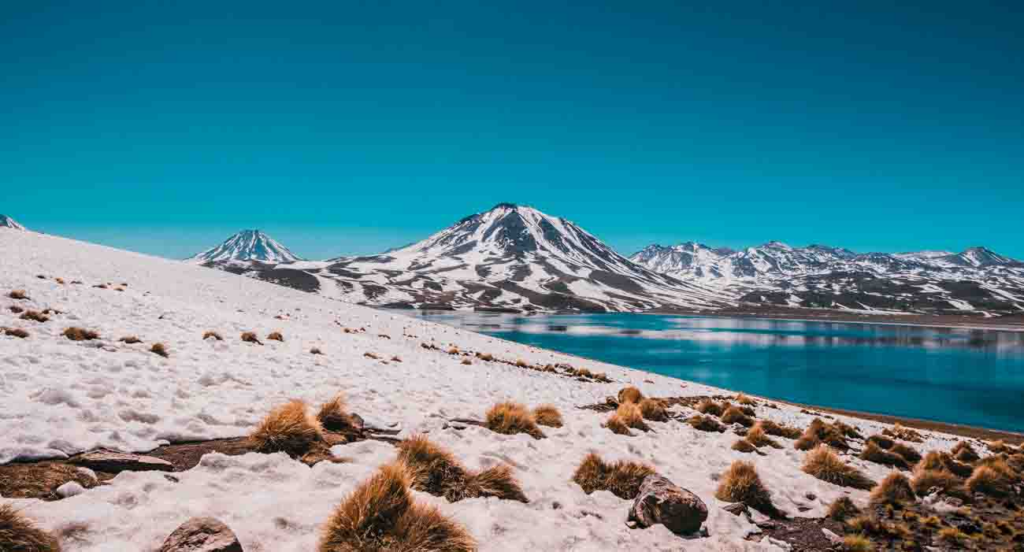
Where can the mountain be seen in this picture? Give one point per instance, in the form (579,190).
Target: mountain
(976,280)
(244,247)
(510,257)
(8,222)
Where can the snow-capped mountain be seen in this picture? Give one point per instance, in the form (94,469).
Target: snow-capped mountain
(8,222)
(827,277)
(244,247)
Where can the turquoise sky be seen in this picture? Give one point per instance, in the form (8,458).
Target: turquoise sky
(352,127)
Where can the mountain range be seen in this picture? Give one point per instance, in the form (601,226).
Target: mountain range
(8,222)
(516,258)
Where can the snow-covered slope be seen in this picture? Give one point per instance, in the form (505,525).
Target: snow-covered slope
(9,223)
(510,257)
(976,280)
(244,247)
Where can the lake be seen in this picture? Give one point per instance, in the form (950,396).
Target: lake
(961,376)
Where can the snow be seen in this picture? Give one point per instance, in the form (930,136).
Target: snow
(61,397)
(7,222)
(246,246)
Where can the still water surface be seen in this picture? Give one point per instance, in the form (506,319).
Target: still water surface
(971,377)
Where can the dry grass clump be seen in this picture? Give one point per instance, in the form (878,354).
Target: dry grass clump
(627,415)
(35,316)
(740,483)
(250,337)
(630,394)
(548,415)
(894,490)
(159,349)
(288,428)
(903,433)
(520,363)
(882,441)
(19,534)
(705,423)
(999,447)
(947,483)
(908,453)
(873,453)
(18,294)
(964,452)
(779,430)
(745,400)
(509,418)
(819,432)
(14,332)
(710,407)
(316,351)
(952,536)
(210,333)
(380,515)
(935,460)
(743,446)
(857,543)
(653,410)
(275,336)
(333,415)
(995,479)
(842,509)
(466,362)
(130,340)
(80,334)
(825,465)
(734,415)
(15,309)
(436,471)
(758,437)
(622,478)
(487,357)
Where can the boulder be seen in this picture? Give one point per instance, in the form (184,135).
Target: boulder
(661,501)
(202,534)
(115,462)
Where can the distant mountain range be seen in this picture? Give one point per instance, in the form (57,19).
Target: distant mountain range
(8,222)
(516,258)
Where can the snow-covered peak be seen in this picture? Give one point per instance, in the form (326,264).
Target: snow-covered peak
(245,246)
(980,257)
(8,222)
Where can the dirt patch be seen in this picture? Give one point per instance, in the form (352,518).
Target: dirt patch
(41,479)
(803,534)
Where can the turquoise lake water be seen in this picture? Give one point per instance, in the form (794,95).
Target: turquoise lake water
(971,377)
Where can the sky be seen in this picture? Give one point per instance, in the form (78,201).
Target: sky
(352,127)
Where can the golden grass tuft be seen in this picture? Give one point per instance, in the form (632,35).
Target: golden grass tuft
(20,534)
(315,351)
(994,480)
(947,483)
(130,340)
(18,294)
(894,490)
(653,410)
(758,437)
(35,316)
(486,357)
(825,465)
(630,394)
(548,415)
(952,536)
(250,337)
(741,483)
(745,400)
(622,478)
(964,452)
(212,334)
(873,453)
(710,407)
(734,415)
(857,543)
(466,362)
(510,418)
(743,446)
(907,452)
(882,441)
(842,509)
(520,363)
(275,336)
(381,515)
(14,332)
(288,428)
(435,470)
(333,415)
(159,349)
(935,460)
(902,433)
(819,432)
(617,426)
(999,447)
(80,334)
(632,416)
(705,423)
(779,430)
(15,309)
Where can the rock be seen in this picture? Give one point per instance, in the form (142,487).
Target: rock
(69,489)
(202,534)
(114,462)
(661,501)
(737,508)
(832,537)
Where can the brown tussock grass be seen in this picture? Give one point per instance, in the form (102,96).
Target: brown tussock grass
(486,357)
(288,428)
(510,418)
(35,316)
(999,447)
(779,430)
(743,446)
(758,437)
(653,410)
(333,415)
(520,363)
(630,394)
(935,460)
(210,333)
(745,400)
(80,334)
(130,340)
(622,478)
(873,453)
(20,534)
(964,452)
(15,332)
(466,362)
(100,286)
(453,351)
(18,294)
(842,509)
(705,423)
(882,441)
(381,515)
(396,358)
(907,452)
(710,408)
(953,536)
(994,479)
(315,351)
(59,281)
(825,465)
(741,483)
(548,415)
(617,426)
(630,415)
(250,337)
(818,432)
(947,483)
(895,490)
(159,349)
(275,336)
(15,309)
(734,415)
(435,470)
(857,543)
(902,433)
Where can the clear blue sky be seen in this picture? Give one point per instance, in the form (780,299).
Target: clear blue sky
(350,127)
